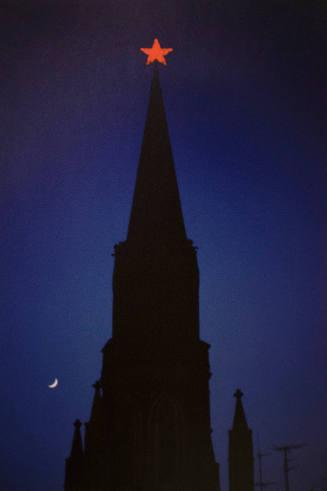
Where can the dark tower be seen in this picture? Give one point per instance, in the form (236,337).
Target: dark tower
(240,454)
(150,427)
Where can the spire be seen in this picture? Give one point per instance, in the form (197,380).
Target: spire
(239,422)
(156,211)
(240,451)
(74,475)
(77,446)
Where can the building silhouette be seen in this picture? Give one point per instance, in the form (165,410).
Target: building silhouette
(240,451)
(149,427)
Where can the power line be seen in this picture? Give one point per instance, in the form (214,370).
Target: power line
(286,449)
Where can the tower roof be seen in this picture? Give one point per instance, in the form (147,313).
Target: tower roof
(156,211)
(239,422)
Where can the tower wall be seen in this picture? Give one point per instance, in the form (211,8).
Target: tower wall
(155,291)
(160,417)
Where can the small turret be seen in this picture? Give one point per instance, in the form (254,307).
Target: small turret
(95,431)
(97,446)
(240,461)
(74,479)
(96,411)
(239,422)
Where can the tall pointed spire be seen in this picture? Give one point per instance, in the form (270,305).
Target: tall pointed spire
(156,211)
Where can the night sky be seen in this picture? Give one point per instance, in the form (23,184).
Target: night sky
(245,97)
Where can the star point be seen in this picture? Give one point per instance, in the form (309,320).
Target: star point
(156,53)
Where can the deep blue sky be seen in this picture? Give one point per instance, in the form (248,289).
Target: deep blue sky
(245,97)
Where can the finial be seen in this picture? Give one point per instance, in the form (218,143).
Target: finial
(97,385)
(77,424)
(156,53)
(238,394)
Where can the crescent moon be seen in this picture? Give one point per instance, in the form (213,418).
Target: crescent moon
(55,383)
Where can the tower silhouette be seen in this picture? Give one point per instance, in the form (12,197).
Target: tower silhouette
(149,427)
(240,453)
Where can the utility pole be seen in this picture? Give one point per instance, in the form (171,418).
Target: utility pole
(261,483)
(285,449)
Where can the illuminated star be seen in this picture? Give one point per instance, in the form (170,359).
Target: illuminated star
(156,53)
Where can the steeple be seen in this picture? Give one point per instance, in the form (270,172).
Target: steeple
(239,422)
(77,446)
(74,476)
(156,211)
(240,455)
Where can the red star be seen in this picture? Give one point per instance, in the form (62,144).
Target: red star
(156,53)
